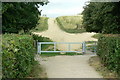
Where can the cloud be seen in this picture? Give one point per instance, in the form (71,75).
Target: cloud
(63,7)
(64,11)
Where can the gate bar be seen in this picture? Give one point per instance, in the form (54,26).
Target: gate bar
(55,44)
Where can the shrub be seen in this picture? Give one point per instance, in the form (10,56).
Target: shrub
(17,55)
(109,51)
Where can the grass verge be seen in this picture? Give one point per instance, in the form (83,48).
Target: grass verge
(70,24)
(60,54)
(37,71)
(99,67)
(42,25)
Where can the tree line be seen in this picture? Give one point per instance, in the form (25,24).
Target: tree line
(102,17)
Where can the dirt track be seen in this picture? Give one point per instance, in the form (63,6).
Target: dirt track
(57,35)
(67,66)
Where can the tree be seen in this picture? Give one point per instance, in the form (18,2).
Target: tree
(102,17)
(17,16)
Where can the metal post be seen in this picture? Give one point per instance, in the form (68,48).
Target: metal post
(38,47)
(83,47)
(95,45)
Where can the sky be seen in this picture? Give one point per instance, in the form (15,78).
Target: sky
(63,7)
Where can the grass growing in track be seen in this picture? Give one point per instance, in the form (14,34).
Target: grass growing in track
(71,24)
(58,53)
(42,25)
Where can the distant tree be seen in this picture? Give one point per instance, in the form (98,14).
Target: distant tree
(102,17)
(44,15)
(17,16)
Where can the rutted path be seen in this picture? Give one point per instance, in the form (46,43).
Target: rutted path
(67,66)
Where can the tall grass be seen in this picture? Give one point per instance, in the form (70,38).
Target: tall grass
(42,25)
(71,24)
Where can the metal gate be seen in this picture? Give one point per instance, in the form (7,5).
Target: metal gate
(39,46)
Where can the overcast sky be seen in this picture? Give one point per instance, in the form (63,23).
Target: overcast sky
(63,7)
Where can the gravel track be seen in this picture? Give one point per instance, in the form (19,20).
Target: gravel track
(66,66)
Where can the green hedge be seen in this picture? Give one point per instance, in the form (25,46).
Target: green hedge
(38,38)
(109,51)
(17,55)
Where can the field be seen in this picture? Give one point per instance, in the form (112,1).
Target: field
(71,24)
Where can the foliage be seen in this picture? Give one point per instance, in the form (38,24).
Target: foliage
(71,24)
(102,17)
(42,25)
(109,51)
(17,16)
(95,62)
(97,36)
(17,55)
(91,46)
(38,71)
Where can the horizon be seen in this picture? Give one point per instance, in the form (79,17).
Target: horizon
(58,8)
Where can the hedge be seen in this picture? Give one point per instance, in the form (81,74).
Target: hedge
(109,51)
(40,38)
(17,55)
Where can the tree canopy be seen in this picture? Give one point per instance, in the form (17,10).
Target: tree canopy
(17,16)
(103,17)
